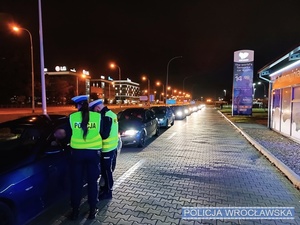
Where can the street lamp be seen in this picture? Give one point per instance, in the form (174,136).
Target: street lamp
(176,57)
(264,88)
(16,29)
(146,78)
(113,65)
(158,83)
(224,93)
(167,89)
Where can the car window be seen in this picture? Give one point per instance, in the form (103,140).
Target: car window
(26,135)
(132,114)
(149,115)
(159,110)
(7,134)
(16,144)
(60,136)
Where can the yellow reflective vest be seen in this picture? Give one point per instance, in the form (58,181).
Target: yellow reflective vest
(111,142)
(93,139)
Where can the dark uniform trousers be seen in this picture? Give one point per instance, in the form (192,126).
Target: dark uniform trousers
(85,163)
(107,168)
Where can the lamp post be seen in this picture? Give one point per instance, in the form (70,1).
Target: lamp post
(167,89)
(264,88)
(32,66)
(224,93)
(158,83)
(176,57)
(43,83)
(253,95)
(113,65)
(146,78)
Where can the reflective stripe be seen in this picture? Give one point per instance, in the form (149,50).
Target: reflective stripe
(93,139)
(111,143)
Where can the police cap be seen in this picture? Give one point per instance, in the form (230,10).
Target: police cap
(93,104)
(80,98)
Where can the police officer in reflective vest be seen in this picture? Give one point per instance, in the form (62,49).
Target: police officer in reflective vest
(109,134)
(86,144)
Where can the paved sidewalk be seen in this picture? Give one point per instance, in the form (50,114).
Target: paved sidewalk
(279,149)
(202,161)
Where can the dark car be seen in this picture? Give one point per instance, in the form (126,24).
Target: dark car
(165,115)
(179,111)
(136,125)
(34,165)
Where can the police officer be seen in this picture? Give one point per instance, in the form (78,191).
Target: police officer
(110,138)
(86,144)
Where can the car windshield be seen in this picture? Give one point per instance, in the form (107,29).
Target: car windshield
(175,108)
(159,110)
(132,114)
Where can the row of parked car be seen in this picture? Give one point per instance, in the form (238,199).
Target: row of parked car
(136,125)
(34,162)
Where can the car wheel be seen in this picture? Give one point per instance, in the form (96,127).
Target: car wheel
(167,124)
(157,133)
(142,140)
(172,122)
(6,215)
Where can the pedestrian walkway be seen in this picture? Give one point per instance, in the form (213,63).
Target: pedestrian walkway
(280,150)
(201,161)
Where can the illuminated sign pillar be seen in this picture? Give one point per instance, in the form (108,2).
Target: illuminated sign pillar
(242,93)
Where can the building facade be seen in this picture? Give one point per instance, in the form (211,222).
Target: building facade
(119,91)
(62,85)
(283,76)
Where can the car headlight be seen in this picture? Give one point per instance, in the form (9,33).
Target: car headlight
(186,111)
(179,113)
(131,132)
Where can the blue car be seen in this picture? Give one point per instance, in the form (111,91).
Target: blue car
(34,166)
(165,116)
(136,125)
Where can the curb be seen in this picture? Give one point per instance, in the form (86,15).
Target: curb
(290,174)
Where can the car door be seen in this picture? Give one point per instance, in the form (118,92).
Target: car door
(56,161)
(148,123)
(170,115)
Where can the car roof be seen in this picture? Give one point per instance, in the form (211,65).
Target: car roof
(38,120)
(134,109)
(159,107)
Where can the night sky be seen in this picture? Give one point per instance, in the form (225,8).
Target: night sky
(142,36)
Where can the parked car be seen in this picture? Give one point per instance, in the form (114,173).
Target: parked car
(179,111)
(34,166)
(165,115)
(136,125)
(188,110)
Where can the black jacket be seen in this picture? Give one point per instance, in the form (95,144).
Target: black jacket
(106,123)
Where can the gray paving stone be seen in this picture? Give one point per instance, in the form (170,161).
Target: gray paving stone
(112,220)
(150,222)
(172,220)
(120,210)
(122,216)
(125,222)
(132,212)
(144,215)
(154,211)
(160,218)
(130,207)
